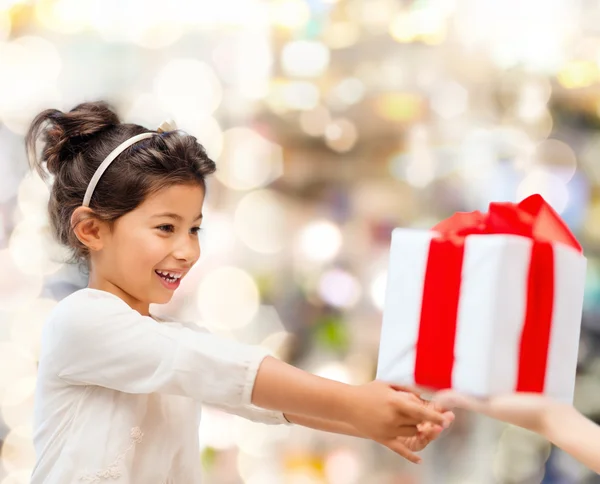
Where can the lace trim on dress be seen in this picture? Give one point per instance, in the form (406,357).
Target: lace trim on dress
(113,471)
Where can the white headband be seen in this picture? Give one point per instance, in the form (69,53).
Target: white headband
(168,125)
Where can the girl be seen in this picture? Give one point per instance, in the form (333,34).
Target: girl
(560,423)
(118,390)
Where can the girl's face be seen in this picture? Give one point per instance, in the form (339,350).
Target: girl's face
(149,250)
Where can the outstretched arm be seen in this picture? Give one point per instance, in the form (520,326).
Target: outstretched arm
(561,424)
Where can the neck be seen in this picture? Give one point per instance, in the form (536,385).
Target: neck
(98,282)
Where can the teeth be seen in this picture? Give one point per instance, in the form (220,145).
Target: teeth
(172,275)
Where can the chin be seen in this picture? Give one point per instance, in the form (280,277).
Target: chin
(162,298)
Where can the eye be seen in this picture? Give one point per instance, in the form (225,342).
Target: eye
(168,228)
(195,230)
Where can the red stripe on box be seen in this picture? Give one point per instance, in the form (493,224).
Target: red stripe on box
(439,308)
(537,329)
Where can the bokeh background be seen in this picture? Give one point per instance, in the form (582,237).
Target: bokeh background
(332,122)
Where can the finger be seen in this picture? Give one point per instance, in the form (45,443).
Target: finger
(407,389)
(426,413)
(399,448)
(406,431)
(451,399)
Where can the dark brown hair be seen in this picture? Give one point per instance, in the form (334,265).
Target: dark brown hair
(75,143)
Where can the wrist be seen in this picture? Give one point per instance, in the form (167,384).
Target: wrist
(348,404)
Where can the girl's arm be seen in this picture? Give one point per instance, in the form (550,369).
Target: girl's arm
(376,410)
(561,424)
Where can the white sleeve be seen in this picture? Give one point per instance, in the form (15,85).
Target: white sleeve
(94,338)
(248,411)
(255,414)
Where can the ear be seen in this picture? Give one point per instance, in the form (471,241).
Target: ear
(89,229)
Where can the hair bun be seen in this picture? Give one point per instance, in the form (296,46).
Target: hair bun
(66,134)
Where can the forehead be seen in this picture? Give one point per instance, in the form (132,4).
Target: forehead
(184,200)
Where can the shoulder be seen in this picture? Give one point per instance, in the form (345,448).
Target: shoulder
(88,310)
(89,303)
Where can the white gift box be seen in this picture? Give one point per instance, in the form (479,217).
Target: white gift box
(486,357)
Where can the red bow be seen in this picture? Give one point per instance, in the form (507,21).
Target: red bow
(532,218)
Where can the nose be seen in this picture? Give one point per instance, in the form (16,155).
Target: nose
(187,250)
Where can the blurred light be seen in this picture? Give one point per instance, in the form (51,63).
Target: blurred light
(557,156)
(401,28)
(401,107)
(30,67)
(63,16)
(34,249)
(17,450)
(16,364)
(315,121)
(378,286)
(248,160)
(16,288)
(289,14)
(304,58)
(343,466)
(187,85)
(216,430)
(340,35)
(260,222)
(349,91)
(27,323)
(320,241)
(339,288)
(5,25)
(375,15)
(304,476)
(246,62)
(277,343)
(550,186)
(33,196)
(205,129)
(334,371)
(341,135)
(257,438)
(154,27)
(264,476)
(18,391)
(521,455)
(22,476)
(425,22)
(145,110)
(18,415)
(420,169)
(533,99)
(300,95)
(449,100)
(228,298)
(578,74)
(220,235)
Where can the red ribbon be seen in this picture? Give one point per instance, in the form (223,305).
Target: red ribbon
(532,218)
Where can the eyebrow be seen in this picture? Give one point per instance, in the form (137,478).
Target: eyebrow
(174,216)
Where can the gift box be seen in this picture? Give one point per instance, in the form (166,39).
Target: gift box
(485,303)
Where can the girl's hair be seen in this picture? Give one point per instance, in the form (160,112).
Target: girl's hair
(74,145)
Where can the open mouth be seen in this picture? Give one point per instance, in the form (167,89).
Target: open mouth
(170,277)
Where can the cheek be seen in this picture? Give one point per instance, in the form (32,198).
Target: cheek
(141,252)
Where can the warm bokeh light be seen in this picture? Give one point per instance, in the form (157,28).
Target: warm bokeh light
(228,297)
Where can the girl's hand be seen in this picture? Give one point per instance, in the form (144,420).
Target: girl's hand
(530,411)
(427,432)
(385,412)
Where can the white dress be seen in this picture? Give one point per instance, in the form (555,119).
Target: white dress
(118,394)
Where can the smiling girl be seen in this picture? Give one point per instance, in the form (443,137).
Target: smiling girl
(119,391)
